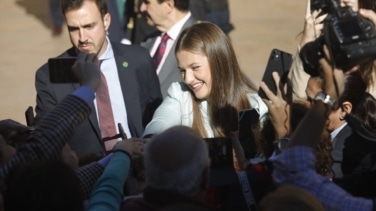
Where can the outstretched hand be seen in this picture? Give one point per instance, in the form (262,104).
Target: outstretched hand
(279,109)
(313,25)
(133,146)
(86,70)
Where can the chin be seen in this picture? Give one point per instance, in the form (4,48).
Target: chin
(201,96)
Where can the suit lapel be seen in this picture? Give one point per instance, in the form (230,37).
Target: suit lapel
(127,83)
(170,63)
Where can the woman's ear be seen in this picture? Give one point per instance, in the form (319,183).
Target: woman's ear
(346,107)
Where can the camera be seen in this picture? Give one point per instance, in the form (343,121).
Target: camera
(350,38)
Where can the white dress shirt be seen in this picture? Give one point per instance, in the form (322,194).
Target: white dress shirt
(109,70)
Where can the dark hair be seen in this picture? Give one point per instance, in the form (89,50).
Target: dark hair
(354,90)
(67,5)
(43,186)
(181,5)
(366,112)
(298,111)
(267,135)
(229,85)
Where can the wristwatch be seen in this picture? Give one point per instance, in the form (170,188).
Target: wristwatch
(324,98)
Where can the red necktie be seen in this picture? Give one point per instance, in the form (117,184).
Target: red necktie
(160,50)
(105,114)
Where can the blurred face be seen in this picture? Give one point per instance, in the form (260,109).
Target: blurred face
(156,13)
(87,29)
(196,73)
(351,3)
(334,120)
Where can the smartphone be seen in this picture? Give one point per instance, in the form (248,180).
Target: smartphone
(279,61)
(247,119)
(60,70)
(29,115)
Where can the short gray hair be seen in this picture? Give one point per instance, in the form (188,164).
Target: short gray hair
(175,160)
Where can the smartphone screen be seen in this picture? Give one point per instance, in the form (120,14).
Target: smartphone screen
(279,61)
(248,118)
(60,70)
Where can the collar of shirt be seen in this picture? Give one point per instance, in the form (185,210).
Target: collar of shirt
(173,33)
(109,53)
(175,30)
(335,132)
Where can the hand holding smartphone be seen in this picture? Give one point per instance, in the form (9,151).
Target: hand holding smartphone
(60,70)
(279,61)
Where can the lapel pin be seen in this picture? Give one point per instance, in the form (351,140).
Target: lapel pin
(125,64)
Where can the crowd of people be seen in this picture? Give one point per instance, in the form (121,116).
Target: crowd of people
(133,133)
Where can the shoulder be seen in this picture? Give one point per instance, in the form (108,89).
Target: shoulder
(191,20)
(178,89)
(180,92)
(134,51)
(151,37)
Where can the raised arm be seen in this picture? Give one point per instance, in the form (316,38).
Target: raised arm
(49,137)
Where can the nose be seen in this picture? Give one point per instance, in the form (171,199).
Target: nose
(143,7)
(82,35)
(188,76)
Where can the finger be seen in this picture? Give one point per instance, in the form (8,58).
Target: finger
(277,79)
(308,8)
(266,90)
(321,18)
(318,28)
(268,103)
(369,14)
(353,69)
(315,14)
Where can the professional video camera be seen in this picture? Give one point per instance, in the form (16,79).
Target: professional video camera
(350,38)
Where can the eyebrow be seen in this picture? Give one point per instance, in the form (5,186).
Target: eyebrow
(84,26)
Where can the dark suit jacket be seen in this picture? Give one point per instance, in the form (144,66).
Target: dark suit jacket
(140,87)
(169,72)
(337,152)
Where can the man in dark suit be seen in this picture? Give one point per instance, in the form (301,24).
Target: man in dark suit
(133,87)
(338,143)
(169,17)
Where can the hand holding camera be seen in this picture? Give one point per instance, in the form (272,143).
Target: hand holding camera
(313,24)
(86,70)
(351,39)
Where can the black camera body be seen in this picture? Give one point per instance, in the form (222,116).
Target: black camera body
(350,38)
